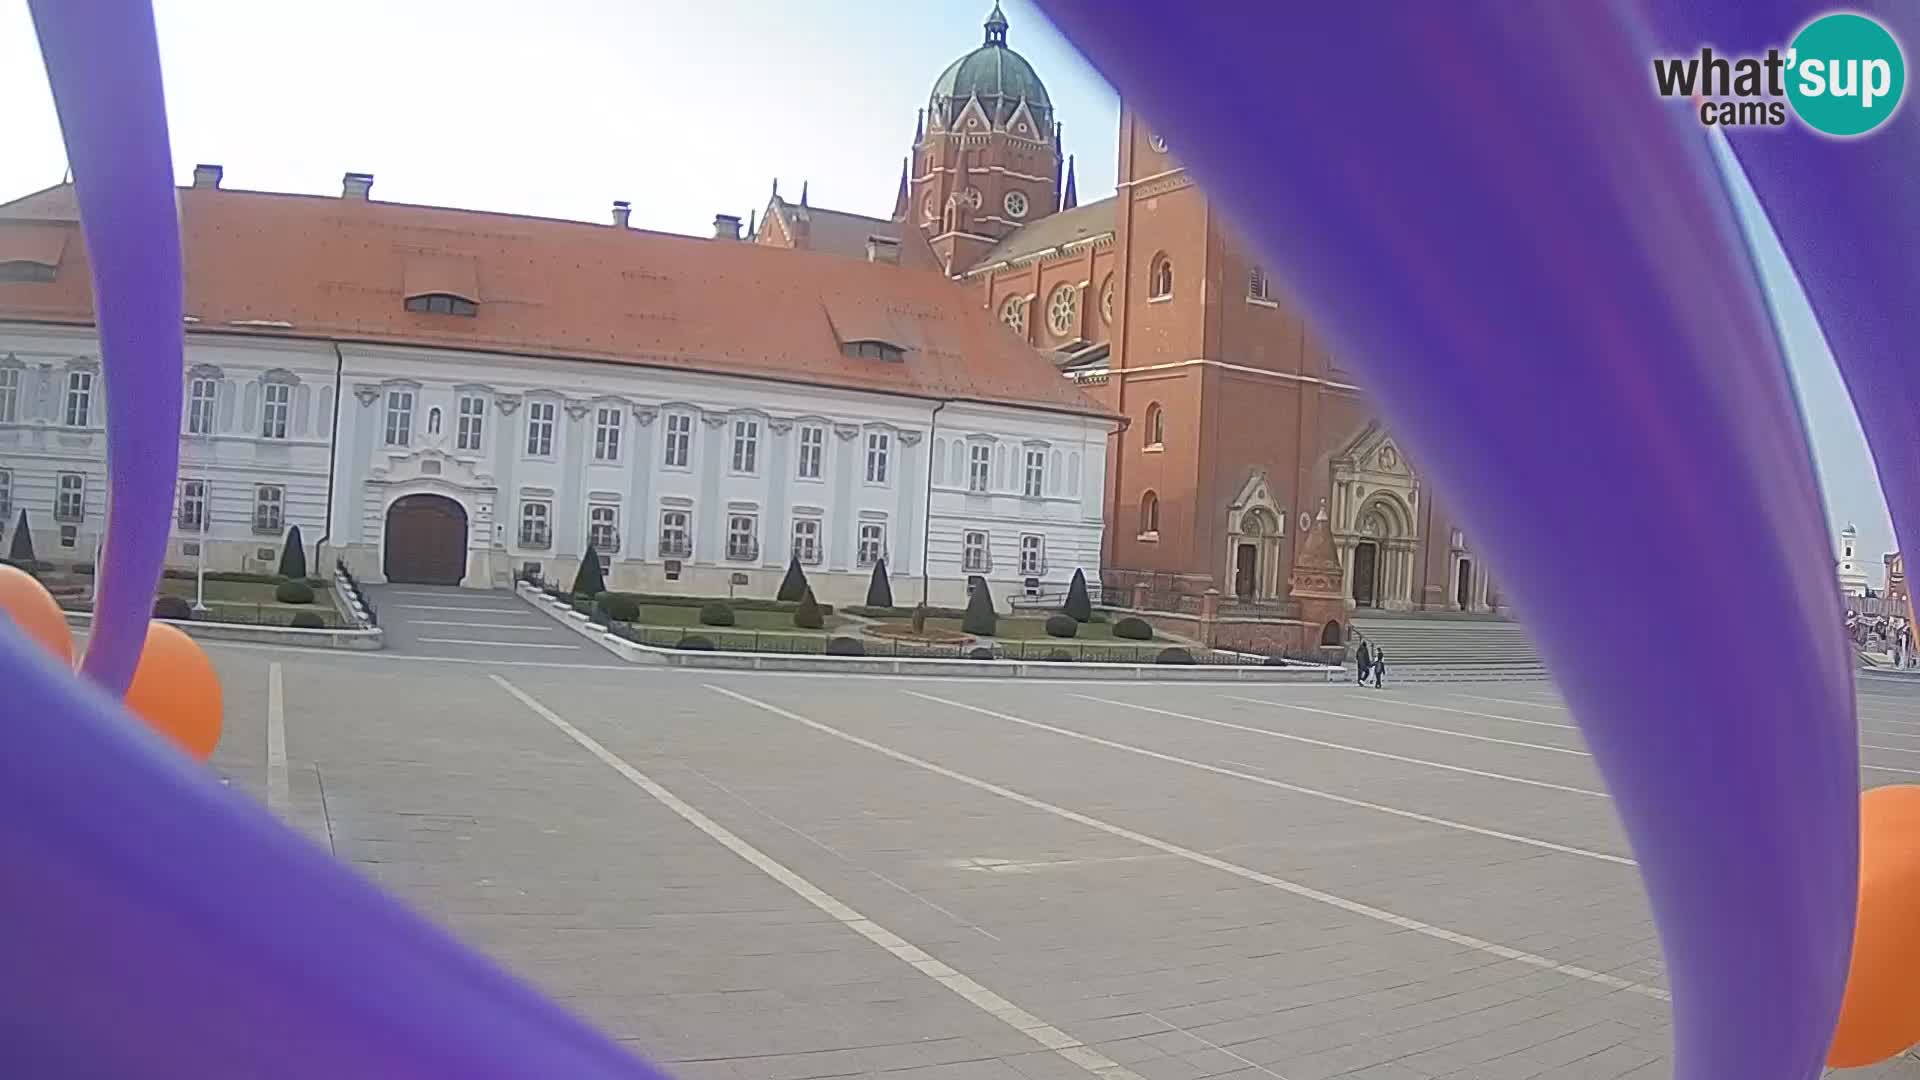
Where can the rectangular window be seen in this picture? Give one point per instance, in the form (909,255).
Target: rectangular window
(9,395)
(806,540)
(676,535)
(70,500)
(536,521)
(679,440)
(201,394)
(6,496)
(399,418)
(879,444)
(603,528)
(974,553)
(743,537)
(746,446)
(540,428)
(193,504)
(1033,556)
(269,508)
(606,435)
(813,450)
(278,397)
(1036,476)
(473,410)
(873,542)
(79,398)
(979,467)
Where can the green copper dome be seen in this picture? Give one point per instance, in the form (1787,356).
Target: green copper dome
(998,76)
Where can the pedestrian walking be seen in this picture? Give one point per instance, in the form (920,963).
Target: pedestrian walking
(1379,666)
(1364,658)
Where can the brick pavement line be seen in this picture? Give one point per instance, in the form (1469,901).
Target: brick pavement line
(1410,727)
(1564,709)
(1485,715)
(307,652)
(462,607)
(279,791)
(1528,781)
(1307,892)
(1414,815)
(1048,1036)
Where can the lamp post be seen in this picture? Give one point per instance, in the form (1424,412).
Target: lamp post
(200,550)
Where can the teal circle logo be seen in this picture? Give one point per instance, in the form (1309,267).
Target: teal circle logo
(1847,74)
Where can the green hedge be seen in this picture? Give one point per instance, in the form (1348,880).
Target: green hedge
(896,612)
(745,603)
(236,576)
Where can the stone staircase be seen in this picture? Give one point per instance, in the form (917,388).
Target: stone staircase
(1430,649)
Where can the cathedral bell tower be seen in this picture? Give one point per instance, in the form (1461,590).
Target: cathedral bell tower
(986,153)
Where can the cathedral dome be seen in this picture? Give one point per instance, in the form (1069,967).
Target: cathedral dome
(999,77)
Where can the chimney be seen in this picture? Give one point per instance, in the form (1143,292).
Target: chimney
(356,185)
(622,210)
(207,176)
(883,249)
(726,226)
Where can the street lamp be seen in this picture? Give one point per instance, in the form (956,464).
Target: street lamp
(200,570)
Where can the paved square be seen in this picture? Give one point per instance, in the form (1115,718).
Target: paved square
(764,876)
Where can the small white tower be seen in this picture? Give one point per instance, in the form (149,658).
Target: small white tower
(1853,580)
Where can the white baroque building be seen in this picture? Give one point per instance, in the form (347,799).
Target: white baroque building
(453,397)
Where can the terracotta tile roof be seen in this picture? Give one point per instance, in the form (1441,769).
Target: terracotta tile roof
(331,268)
(836,232)
(1054,230)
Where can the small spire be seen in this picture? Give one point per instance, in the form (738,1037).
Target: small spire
(919,126)
(1069,195)
(997,26)
(900,197)
(776,188)
(803,193)
(753,224)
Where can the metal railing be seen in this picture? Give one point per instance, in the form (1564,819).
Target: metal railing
(360,594)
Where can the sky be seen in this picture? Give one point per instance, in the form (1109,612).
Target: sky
(686,110)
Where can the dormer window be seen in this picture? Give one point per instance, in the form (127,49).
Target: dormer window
(874,350)
(25,270)
(442,285)
(442,304)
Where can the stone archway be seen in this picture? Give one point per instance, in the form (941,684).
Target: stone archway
(425,541)
(1376,499)
(1256,528)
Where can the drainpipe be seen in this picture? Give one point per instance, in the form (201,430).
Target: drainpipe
(333,451)
(926,522)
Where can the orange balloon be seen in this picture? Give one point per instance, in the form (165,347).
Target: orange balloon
(176,691)
(1880,1015)
(34,610)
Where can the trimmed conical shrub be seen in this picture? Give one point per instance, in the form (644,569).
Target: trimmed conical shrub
(589,582)
(293,557)
(1079,604)
(794,585)
(22,550)
(807,616)
(879,590)
(980,618)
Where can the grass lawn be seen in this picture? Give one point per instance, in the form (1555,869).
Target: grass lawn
(686,615)
(246,601)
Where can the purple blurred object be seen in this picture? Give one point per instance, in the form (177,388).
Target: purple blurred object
(1847,211)
(1534,267)
(156,924)
(105,69)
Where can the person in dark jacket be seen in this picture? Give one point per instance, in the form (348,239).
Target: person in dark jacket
(1379,666)
(1364,658)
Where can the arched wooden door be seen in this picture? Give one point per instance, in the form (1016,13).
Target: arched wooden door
(1366,565)
(426,541)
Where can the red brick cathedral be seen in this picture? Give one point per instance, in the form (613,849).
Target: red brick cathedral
(1243,429)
